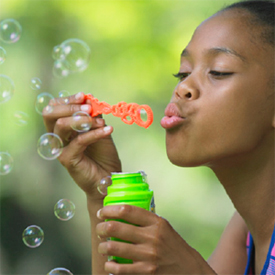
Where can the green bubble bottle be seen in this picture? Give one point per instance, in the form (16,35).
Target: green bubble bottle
(132,189)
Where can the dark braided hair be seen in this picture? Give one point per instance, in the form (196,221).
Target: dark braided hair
(262,15)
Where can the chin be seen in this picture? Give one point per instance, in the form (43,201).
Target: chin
(180,160)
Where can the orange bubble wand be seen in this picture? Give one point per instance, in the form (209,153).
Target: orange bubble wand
(128,112)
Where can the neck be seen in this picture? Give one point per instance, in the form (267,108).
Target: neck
(249,182)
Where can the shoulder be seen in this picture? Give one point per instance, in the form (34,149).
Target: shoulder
(230,256)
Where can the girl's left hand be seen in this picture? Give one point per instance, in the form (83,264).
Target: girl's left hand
(155,247)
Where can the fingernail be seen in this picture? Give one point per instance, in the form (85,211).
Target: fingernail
(85,108)
(99,121)
(98,214)
(107,129)
(78,95)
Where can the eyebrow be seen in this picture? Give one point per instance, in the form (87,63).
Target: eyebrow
(218,50)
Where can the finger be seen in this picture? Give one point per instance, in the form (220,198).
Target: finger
(135,268)
(120,230)
(67,128)
(73,153)
(62,111)
(126,251)
(132,214)
(73,99)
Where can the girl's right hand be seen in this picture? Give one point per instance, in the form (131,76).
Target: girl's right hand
(88,156)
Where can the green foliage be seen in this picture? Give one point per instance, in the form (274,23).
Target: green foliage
(135,47)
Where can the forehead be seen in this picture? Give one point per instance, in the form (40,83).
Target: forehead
(229,29)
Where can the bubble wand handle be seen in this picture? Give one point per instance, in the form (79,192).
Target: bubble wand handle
(128,112)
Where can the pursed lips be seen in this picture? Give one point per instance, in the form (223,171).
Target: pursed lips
(172,117)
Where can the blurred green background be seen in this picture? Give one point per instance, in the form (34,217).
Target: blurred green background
(135,48)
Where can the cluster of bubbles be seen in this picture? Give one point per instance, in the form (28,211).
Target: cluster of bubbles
(10,32)
(71,56)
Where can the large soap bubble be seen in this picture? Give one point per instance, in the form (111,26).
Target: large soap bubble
(49,146)
(10,30)
(6,88)
(33,236)
(70,56)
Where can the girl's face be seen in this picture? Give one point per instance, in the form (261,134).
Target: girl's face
(222,107)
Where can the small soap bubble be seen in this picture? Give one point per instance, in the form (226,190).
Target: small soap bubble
(144,176)
(103,185)
(143,114)
(6,88)
(74,54)
(33,236)
(59,69)
(64,209)
(36,83)
(57,53)
(42,101)
(49,146)
(64,96)
(6,163)
(21,118)
(60,271)
(81,122)
(10,30)
(63,93)
(3,55)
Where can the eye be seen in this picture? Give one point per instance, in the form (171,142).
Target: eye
(181,76)
(220,74)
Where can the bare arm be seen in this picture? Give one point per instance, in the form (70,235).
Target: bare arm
(98,260)
(230,256)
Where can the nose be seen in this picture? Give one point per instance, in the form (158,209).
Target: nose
(187,90)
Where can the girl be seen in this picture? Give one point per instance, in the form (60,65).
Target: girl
(221,115)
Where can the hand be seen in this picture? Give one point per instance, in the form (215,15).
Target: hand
(155,247)
(88,156)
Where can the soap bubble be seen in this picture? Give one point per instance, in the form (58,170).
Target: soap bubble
(49,146)
(10,30)
(144,176)
(36,83)
(6,88)
(82,122)
(64,96)
(143,114)
(33,236)
(42,101)
(104,184)
(60,271)
(3,55)
(71,56)
(6,163)
(57,53)
(64,209)
(21,118)
(63,93)
(59,69)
